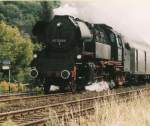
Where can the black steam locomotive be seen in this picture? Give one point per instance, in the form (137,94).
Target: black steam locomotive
(77,53)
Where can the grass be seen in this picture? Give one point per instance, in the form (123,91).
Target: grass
(112,113)
(9,123)
(133,113)
(3,105)
(53,120)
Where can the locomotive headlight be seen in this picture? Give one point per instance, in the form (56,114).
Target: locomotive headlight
(79,56)
(35,56)
(59,24)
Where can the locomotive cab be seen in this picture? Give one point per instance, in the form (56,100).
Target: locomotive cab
(117,46)
(102,43)
(111,42)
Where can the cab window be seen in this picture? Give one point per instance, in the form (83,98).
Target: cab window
(119,41)
(101,36)
(112,38)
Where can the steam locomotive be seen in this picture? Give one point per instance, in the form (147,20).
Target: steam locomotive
(77,53)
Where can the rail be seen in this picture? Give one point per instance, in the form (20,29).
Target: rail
(58,107)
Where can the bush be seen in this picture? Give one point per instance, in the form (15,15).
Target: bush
(4,86)
(14,87)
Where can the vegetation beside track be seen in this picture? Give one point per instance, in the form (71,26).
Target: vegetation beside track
(133,113)
(19,88)
(9,123)
(102,110)
(14,87)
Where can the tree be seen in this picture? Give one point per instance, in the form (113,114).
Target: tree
(15,47)
(47,9)
(15,44)
(25,14)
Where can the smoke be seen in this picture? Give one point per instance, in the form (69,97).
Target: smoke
(129,17)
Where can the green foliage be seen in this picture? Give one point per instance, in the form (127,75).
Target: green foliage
(22,14)
(15,47)
(47,9)
(25,14)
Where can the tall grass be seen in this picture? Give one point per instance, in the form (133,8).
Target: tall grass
(135,113)
(9,123)
(132,113)
(53,120)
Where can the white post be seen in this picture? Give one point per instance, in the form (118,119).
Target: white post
(9,75)
(9,80)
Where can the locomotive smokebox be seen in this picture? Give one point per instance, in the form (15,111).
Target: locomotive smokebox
(62,33)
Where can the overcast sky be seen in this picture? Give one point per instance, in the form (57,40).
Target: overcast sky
(131,17)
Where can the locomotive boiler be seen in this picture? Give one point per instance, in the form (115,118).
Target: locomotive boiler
(77,53)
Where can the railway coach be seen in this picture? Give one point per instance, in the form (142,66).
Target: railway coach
(77,53)
(137,60)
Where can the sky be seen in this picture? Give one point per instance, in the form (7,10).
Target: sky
(130,17)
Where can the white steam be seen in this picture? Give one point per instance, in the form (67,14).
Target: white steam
(66,10)
(130,17)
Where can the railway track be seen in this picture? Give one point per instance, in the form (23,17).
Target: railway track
(14,104)
(12,98)
(37,115)
(16,95)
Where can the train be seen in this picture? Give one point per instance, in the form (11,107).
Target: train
(76,53)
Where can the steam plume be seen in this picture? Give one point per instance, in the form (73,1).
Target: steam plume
(129,17)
